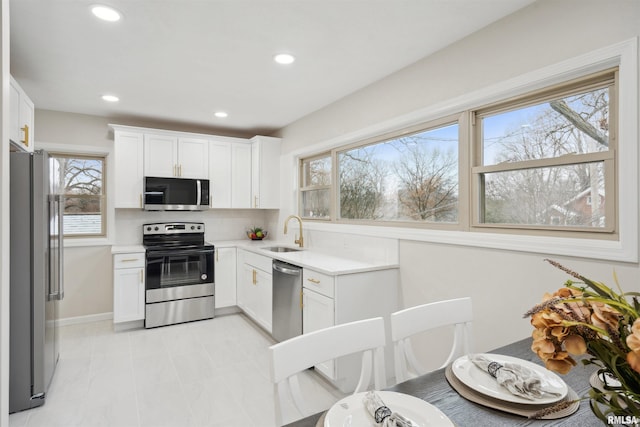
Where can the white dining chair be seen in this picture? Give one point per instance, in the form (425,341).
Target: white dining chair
(411,321)
(297,354)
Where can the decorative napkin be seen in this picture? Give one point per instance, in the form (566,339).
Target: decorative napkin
(518,379)
(381,414)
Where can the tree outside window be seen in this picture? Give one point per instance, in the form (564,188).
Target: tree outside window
(81,180)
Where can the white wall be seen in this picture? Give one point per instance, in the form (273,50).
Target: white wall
(503,284)
(88,270)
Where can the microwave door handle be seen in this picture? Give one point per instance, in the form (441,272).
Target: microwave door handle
(198,192)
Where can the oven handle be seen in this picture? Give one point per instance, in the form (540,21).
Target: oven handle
(177,251)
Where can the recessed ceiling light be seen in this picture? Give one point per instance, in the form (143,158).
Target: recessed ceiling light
(110,98)
(220,114)
(284,58)
(106,13)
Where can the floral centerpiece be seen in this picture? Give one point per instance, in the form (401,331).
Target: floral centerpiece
(586,317)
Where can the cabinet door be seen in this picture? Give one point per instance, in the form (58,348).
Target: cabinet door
(225,277)
(193,158)
(263,299)
(26,122)
(128,294)
(160,155)
(265,172)
(220,174)
(128,167)
(318,313)
(244,290)
(21,117)
(241,176)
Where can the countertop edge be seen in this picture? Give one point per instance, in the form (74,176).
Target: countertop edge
(124,249)
(257,247)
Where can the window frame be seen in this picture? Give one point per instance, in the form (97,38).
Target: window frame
(459,119)
(623,55)
(309,188)
(103,197)
(608,78)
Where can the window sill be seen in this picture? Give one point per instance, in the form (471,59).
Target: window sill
(73,242)
(618,250)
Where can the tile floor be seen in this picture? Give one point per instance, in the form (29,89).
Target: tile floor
(208,373)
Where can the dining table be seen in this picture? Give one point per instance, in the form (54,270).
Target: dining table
(435,389)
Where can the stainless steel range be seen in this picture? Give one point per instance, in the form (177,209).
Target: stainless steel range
(179,273)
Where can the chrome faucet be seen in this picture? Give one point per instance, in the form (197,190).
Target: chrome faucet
(299,241)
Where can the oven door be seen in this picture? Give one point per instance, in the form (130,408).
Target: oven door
(179,273)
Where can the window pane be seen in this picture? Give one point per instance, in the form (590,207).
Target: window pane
(316,172)
(81,180)
(574,124)
(564,196)
(315,204)
(409,178)
(82,215)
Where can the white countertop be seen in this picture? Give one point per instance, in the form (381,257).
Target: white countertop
(126,249)
(307,258)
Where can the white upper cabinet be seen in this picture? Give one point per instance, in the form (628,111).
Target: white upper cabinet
(173,156)
(21,117)
(241,176)
(230,174)
(265,174)
(242,173)
(193,158)
(160,155)
(220,174)
(129,175)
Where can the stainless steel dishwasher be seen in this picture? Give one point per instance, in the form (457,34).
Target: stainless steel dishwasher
(287,301)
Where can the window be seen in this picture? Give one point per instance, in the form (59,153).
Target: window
(81,179)
(543,159)
(315,188)
(541,162)
(413,177)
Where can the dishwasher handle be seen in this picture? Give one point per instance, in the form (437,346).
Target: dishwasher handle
(286,269)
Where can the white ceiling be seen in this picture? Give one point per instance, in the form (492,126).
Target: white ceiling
(182,60)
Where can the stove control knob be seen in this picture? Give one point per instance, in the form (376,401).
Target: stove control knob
(193,227)
(156,228)
(148,228)
(199,227)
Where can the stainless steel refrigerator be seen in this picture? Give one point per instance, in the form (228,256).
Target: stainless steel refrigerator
(36,278)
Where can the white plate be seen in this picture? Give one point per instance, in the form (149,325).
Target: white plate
(472,376)
(350,411)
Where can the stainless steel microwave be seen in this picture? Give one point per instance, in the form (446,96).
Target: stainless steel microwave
(175,194)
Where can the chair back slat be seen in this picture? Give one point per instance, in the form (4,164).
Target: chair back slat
(297,354)
(411,321)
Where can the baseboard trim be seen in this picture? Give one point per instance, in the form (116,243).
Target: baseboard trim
(85,319)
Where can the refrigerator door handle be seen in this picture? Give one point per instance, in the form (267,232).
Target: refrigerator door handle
(52,292)
(60,203)
(56,287)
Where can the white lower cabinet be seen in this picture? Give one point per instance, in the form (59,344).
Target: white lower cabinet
(255,287)
(317,313)
(225,277)
(128,287)
(334,300)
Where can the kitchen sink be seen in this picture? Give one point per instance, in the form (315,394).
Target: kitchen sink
(281,249)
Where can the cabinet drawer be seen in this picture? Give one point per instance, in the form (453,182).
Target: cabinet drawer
(128,260)
(258,261)
(319,282)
